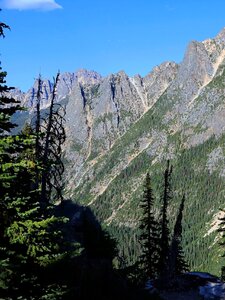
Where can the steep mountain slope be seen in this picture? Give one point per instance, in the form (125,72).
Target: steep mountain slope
(186,125)
(118,128)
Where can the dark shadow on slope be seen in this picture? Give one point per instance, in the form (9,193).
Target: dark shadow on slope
(84,228)
(90,273)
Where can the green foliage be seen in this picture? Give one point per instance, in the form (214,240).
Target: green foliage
(31,240)
(161,259)
(8,105)
(177,263)
(149,237)
(164,223)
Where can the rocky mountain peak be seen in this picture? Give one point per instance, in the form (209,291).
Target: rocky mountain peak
(84,76)
(122,73)
(166,69)
(194,72)
(158,80)
(164,66)
(220,38)
(216,47)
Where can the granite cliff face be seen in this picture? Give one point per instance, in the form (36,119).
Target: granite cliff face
(100,110)
(119,127)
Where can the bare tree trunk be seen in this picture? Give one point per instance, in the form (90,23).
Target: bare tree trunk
(44,196)
(37,133)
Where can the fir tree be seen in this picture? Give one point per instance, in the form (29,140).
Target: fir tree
(165,234)
(8,105)
(177,263)
(149,233)
(15,183)
(30,240)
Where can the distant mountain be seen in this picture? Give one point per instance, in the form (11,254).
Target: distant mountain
(119,127)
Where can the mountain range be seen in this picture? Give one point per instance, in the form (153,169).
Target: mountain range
(120,127)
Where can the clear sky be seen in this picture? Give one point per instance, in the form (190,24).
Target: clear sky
(102,35)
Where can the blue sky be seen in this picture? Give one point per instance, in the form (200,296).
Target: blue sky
(101,35)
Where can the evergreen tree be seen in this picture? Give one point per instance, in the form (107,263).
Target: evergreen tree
(165,234)
(8,145)
(149,237)
(31,240)
(8,105)
(177,263)
(161,259)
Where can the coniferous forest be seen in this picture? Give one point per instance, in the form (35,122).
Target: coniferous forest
(52,247)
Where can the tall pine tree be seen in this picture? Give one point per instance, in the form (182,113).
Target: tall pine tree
(161,259)
(149,237)
(177,263)
(164,223)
